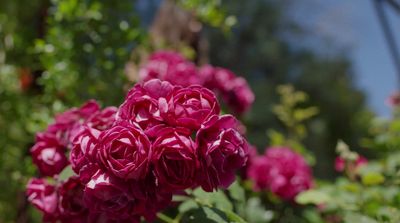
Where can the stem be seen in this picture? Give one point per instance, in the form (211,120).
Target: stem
(165,218)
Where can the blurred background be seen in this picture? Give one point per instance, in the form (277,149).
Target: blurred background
(59,53)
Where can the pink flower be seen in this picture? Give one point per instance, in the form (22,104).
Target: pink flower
(44,197)
(222,150)
(174,158)
(253,154)
(84,149)
(234,90)
(393,100)
(341,164)
(68,124)
(103,119)
(190,107)
(48,154)
(142,103)
(124,150)
(172,67)
(361,161)
(238,96)
(131,160)
(108,195)
(282,171)
(71,205)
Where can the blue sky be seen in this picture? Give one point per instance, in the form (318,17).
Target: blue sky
(374,67)
(354,25)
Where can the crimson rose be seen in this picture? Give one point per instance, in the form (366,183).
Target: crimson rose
(124,150)
(48,154)
(190,107)
(222,150)
(174,158)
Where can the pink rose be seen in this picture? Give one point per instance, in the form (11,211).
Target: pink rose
(253,154)
(68,124)
(207,73)
(234,90)
(222,150)
(142,103)
(282,171)
(361,161)
(107,195)
(190,107)
(393,100)
(103,119)
(71,205)
(172,67)
(174,159)
(238,95)
(48,155)
(168,56)
(84,149)
(44,197)
(341,164)
(152,196)
(124,150)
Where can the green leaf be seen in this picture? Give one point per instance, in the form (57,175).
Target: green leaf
(313,197)
(66,173)
(215,214)
(237,192)
(232,217)
(255,212)
(187,206)
(217,199)
(372,178)
(352,217)
(275,137)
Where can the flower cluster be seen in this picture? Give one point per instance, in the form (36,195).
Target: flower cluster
(282,171)
(173,67)
(128,162)
(341,163)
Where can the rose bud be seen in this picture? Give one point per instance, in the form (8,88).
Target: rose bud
(222,150)
(174,159)
(84,148)
(44,197)
(124,150)
(48,155)
(190,107)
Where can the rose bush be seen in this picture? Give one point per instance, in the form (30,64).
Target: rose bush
(282,171)
(128,162)
(173,67)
